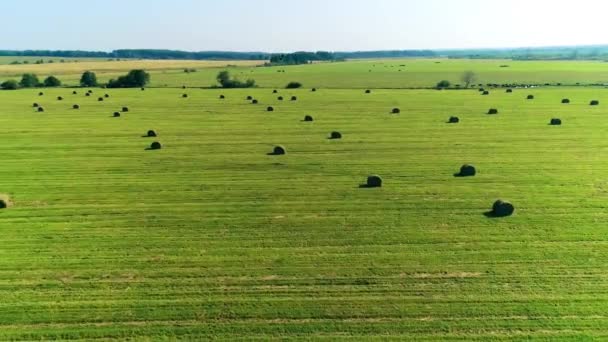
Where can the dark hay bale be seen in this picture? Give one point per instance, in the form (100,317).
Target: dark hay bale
(509,90)
(313,89)
(75,106)
(100,99)
(3,204)
(125,109)
(116,114)
(453,120)
(254,101)
(35,105)
(308,118)
(335,135)
(594,103)
(106,96)
(249,98)
(184,95)
(270,109)
(485,93)
(87,94)
(502,209)
(530,97)
(396,111)
(566,101)
(90,91)
(40,109)
(280,98)
(142,89)
(275,91)
(40,94)
(481,89)
(59,98)
(368,91)
(492,111)
(184,87)
(279,151)
(467,171)
(151,134)
(374,181)
(294,98)
(74,92)
(556,122)
(222,97)
(156,146)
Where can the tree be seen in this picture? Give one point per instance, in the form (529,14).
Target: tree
(468,78)
(9,85)
(443,84)
(134,79)
(29,81)
(52,81)
(224,79)
(88,79)
(294,85)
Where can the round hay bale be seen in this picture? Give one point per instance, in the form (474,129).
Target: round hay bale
(454,120)
(185,96)
(556,122)
(59,98)
(270,109)
(509,90)
(249,98)
(530,97)
(481,89)
(313,89)
(106,96)
(294,98)
(40,94)
(125,109)
(100,99)
(222,97)
(374,181)
(40,109)
(502,209)
(75,106)
(3,204)
(90,91)
(594,103)
(183,87)
(74,92)
(565,101)
(142,89)
(308,118)
(335,135)
(275,91)
(493,111)
(279,150)
(35,105)
(280,98)
(467,171)
(87,94)
(151,133)
(254,101)
(156,146)
(116,114)
(368,91)
(485,92)
(396,111)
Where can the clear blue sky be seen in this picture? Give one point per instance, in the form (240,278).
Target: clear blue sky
(286,25)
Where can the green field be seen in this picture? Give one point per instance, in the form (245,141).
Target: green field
(211,238)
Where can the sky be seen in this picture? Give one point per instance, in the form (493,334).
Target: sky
(311,25)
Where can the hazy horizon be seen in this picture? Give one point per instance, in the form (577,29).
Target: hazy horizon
(273,26)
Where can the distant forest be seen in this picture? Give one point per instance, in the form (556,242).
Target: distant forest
(599,52)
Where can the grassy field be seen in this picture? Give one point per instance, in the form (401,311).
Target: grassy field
(210,237)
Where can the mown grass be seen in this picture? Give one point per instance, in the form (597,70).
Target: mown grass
(212,238)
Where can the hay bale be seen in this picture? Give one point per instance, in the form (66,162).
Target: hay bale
(249,98)
(502,209)
(493,111)
(454,120)
(314,89)
(335,135)
(467,171)
(125,109)
(75,106)
(530,97)
(100,99)
(509,90)
(565,101)
(3,204)
(151,134)
(142,89)
(90,91)
(270,109)
(485,92)
(59,98)
(183,87)
(594,103)
(308,118)
(5,201)
(279,151)
(185,96)
(368,91)
(87,94)
(40,109)
(556,122)
(156,146)
(275,91)
(40,94)
(106,96)
(222,97)
(374,181)
(254,101)
(74,92)
(396,111)
(35,105)
(294,98)
(116,114)
(280,98)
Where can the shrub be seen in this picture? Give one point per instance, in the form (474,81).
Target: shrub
(594,103)
(279,151)
(9,85)
(453,119)
(88,79)
(493,111)
(308,118)
(52,81)
(396,111)
(443,84)
(565,101)
(467,171)
(502,209)
(294,85)
(335,135)
(374,181)
(29,81)
(155,146)
(224,79)
(556,122)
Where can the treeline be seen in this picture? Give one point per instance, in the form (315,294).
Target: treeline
(140,54)
(134,79)
(599,52)
(301,57)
